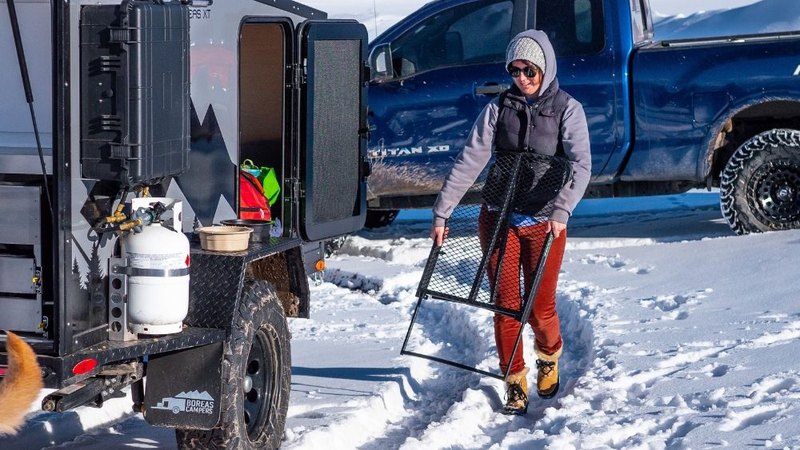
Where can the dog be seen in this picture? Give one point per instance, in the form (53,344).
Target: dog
(20,386)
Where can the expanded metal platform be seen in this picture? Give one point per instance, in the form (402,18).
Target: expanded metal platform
(471,263)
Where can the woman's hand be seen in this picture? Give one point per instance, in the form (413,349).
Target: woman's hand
(555,227)
(439,234)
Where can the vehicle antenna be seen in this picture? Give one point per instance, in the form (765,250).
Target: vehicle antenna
(375,15)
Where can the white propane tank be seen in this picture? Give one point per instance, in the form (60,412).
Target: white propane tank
(158,279)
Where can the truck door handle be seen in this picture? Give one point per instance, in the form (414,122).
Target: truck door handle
(491,89)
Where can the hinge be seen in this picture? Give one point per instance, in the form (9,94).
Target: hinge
(292,185)
(301,73)
(366,168)
(366,73)
(36,280)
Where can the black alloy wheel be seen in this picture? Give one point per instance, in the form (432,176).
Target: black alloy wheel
(760,185)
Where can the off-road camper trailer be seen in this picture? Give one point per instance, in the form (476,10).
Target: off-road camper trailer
(124,118)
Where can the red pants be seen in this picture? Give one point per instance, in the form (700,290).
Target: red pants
(523,248)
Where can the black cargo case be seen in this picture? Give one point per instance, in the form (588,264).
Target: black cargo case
(133,84)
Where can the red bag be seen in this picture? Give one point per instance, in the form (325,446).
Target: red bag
(252,201)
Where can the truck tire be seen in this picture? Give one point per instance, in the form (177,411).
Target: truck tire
(760,185)
(379,218)
(256,377)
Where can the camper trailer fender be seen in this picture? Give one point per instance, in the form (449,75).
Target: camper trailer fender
(217,280)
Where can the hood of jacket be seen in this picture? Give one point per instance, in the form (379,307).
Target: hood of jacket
(549,56)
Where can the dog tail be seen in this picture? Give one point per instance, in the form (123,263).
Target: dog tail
(21,384)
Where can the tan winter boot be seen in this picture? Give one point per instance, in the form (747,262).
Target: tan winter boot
(517,393)
(547,379)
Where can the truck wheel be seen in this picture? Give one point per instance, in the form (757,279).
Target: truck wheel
(256,377)
(760,185)
(379,218)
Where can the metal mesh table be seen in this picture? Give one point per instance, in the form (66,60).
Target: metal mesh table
(471,263)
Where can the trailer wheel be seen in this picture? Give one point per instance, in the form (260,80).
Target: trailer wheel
(379,218)
(256,377)
(760,185)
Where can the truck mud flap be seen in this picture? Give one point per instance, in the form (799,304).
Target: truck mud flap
(184,388)
(458,271)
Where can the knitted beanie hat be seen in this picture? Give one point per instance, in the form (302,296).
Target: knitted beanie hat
(526,49)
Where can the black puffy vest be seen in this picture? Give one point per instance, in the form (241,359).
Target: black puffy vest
(523,128)
(534,128)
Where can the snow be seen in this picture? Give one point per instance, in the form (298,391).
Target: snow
(673,7)
(766,16)
(677,335)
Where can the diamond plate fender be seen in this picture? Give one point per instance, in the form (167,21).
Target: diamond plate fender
(218,277)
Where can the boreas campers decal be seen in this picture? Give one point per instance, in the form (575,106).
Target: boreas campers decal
(188,402)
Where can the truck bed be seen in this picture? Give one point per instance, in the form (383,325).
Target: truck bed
(684,91)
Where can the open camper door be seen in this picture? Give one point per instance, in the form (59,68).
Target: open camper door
(332,132)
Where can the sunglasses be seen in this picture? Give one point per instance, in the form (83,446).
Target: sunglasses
(529,72)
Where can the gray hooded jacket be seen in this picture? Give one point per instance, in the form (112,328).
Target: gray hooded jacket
(479,147)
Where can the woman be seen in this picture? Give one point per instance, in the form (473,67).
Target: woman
(556,124)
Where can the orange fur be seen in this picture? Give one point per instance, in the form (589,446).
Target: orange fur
(21,385)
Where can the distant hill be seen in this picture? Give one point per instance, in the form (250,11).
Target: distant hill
(766,16)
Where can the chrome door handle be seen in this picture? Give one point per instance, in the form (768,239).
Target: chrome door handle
(491,89)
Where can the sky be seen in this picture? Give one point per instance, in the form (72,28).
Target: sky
(678,334)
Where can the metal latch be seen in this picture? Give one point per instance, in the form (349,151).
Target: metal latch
(123,35)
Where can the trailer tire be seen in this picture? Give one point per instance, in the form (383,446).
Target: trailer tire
(760,185)
(257,359)
(379,218)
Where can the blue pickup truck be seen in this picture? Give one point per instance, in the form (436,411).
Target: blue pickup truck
(664,117)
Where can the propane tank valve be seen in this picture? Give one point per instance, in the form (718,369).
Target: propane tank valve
(143,217)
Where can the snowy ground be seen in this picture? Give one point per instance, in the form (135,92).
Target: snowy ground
(677,334)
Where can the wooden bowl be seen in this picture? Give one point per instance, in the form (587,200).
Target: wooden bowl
(224,238)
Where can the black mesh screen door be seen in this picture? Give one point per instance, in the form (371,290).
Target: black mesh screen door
(475,262)
(331,127)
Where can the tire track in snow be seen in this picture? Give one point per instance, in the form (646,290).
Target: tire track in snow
(452,401)
(438,324)
(455,404)
(578,336)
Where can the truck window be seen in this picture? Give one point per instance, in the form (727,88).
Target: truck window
(574,27)
(476,32)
